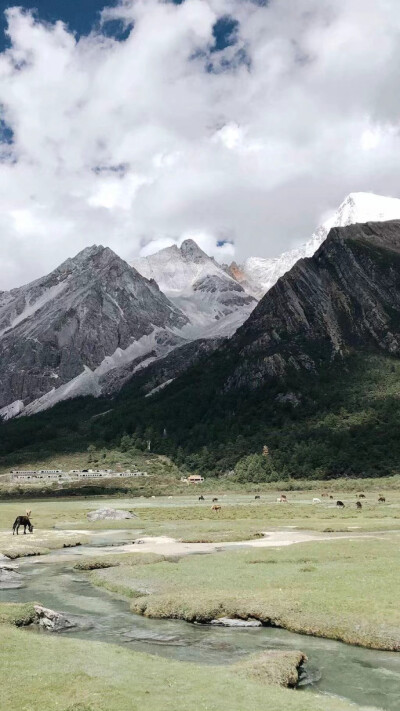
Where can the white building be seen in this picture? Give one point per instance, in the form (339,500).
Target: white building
(58,474)
(23,474)
(33,474)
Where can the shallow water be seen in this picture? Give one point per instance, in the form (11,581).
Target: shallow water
(364,676)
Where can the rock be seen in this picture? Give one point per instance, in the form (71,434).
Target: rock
(288,398)
(233,622)
(51,620)
(158,540)
(110,515)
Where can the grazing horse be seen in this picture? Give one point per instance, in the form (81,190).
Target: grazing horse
(201,498)
(340,504)
(215,499)
(22,521)
(361,496)
(359,504)
(381,500)
(257,497)
(216,507)
(316,501)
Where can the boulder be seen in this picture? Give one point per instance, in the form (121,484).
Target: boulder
(233,622)
(158,540)
(106,514)
(51,620)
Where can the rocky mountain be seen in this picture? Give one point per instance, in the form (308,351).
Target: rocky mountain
(257,275)
(213,301)
(347,296)
(93,323)
(157,374)
(61,333)
(313,373)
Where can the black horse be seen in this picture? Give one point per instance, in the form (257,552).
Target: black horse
(22,521)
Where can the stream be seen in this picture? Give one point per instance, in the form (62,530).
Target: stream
(365,677)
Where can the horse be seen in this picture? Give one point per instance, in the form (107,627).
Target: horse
(215,499)
(22,521)
(359,504)
(316,501)
(282,499)
(340,504)
(201,498)
(257,497)
(381,500)
(216,507)
(361,496)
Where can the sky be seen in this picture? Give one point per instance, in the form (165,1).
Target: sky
(240,123)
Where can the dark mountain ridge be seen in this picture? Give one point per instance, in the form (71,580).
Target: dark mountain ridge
(347,296)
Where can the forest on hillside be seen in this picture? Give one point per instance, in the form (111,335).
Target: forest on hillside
(342,422)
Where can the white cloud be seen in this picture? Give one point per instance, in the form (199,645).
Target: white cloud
(157,138)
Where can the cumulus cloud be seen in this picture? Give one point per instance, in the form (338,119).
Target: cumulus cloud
(242,140)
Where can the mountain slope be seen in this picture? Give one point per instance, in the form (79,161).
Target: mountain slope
(314,374)
(258,275)
(346,296)
(199,287)
(94,311)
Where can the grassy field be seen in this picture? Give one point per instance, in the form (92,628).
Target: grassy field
(64,522)
(45,673)
(38,543)
(164,479)
(340,589)
(186,518)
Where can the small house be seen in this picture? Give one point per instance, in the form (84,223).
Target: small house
(195,479)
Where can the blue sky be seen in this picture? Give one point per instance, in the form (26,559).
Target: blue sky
(82,16)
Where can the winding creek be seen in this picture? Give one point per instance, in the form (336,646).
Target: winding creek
(366,677)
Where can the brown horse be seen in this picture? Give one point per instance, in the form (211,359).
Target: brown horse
(22,521)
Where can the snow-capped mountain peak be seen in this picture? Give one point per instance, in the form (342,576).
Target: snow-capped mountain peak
(214,302)
(260,274)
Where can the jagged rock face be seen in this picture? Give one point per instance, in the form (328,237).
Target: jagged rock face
(75,317)
(199,287)
(346,296)
(161,372)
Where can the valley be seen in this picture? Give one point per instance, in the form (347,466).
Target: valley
(279,570)
(134,605)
